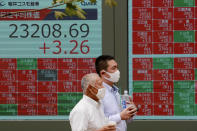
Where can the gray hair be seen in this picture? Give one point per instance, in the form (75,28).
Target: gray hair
(87,80)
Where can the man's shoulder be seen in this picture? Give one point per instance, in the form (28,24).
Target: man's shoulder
(79,109)
(81,106)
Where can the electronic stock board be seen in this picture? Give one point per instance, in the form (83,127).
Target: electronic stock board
(42,60)
(163,58)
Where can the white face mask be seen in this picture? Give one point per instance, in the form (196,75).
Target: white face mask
(114,77)
(101,93)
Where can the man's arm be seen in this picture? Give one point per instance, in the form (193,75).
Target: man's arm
(126,114)
(107,128)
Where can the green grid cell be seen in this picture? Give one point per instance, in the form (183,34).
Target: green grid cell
(66,101)
(184,110)
(26,63)
(8,110)
(184,36)
(195,74)
(184,3)
(163,63)
(184,86)
(71,97)
(184,98)
(142,86)
(65,109)
(195,109)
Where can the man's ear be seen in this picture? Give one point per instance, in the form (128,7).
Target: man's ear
(102,72)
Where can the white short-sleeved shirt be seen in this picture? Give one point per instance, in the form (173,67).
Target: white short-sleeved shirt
(87,115)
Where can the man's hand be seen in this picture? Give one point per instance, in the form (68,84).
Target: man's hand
(108,128)
(129,111)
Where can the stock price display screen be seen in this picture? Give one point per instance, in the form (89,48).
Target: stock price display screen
(42,60)
(163,58)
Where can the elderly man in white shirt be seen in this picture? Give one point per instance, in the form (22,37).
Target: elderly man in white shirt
(88,115)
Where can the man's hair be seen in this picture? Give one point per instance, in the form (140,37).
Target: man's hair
(101,63)
(88,79)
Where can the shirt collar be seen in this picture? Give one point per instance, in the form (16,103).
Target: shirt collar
(91,101)
(111,89)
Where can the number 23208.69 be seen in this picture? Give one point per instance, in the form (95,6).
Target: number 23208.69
(48,31)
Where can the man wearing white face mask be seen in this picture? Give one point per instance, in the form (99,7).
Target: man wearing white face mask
(88,115)
(107,68)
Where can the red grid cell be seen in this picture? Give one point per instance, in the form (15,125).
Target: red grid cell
(184,62)
(195,98)
(8,75)
(184,24)
(184,12)
(142,25)
(47,98)
(163,86)
(47,109)
(195,9)
(183,74)
(145,110)
(67,86)
(142,63)
(142,37)
(27,98)
(195,42)
(142,3)
(183,48)
(142,48)
(8,64)
(47,86)
(142,74)
(27,109)
(143,98)
(47,63)
(163,74)
(162,3)
(8,98)
(164,110)
(86,63)
(163,25)
(195,61)
(163,13)
(8,86)
(163,48)
(81,73)
(67,75)
(142,13)
(26,86)
(163,98)
(27,75)
(79,88)
(67,63)
(163,36)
